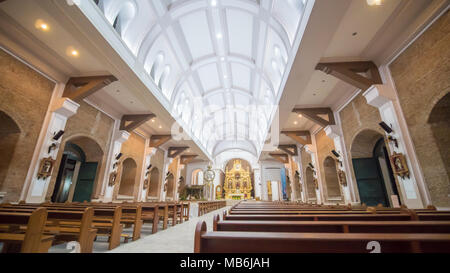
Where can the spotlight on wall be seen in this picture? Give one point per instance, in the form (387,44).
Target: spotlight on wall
(386,127)
(58,135)
(336,154)
(119,156)
(311,165)
(149,166)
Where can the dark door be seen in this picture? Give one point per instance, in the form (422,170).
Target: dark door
(370,182)
(85,182)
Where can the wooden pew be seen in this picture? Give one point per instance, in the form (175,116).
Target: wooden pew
(24,232)
(65,224)
(333,226)
(285,242)
(319,217)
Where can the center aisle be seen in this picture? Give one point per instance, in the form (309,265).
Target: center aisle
(177,239)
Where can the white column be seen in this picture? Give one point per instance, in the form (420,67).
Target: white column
(119,138)
(333,132)
(167,162)
(311,149)
(257,183)
(62,109)
(149,152)
(302,174)
(382,97)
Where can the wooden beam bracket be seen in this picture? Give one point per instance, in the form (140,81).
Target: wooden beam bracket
(290,149)
(78,88)
(313,115)
(131,122)
(283,158)
(298,136)
(186,159)
(348,72)
(176,151)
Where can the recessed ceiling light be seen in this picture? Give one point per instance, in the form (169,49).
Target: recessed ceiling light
(72,52)
(153,120)
(222,59)
(300,115)
(41,25)
(213,3)
(374,2)
(219,35)
(160,127)
(225,76)
(295,122)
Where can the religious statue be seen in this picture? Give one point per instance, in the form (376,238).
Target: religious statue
(237,182)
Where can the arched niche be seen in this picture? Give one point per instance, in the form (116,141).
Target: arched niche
(153,191)
(9,136)
(128,177)
(439,121)
(310,185)
(331,178)
(78,170)
(197,177)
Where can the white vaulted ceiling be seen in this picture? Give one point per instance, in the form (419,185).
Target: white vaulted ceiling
(221,64)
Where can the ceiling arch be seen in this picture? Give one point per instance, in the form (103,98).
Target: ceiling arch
(200,53)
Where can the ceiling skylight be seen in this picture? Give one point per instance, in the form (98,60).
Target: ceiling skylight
(220,64)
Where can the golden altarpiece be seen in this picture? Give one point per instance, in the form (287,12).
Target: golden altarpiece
(238,184)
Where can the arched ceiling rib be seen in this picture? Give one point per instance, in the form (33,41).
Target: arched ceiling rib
(213,60)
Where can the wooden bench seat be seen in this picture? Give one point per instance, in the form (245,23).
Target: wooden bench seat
(319,217)
(284,242)
(24,232)
(334,226)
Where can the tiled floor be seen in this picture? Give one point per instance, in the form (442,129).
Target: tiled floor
(177,239)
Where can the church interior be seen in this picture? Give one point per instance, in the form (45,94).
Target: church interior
(224,126)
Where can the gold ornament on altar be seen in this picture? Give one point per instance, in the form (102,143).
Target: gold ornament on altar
(238,184)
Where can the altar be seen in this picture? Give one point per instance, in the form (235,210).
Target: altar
(238,184)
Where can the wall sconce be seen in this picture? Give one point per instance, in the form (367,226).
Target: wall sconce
(119,156)
(392,139)
(149,166)
(57,136)
(311,165)
(51,147)
(386,128)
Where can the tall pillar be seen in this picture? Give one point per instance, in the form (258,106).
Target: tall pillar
(119,137)
(149,152)
(383,98)
(333,132)
(302,175)
(167,162)
(62,109)
(258,182)
(311,149)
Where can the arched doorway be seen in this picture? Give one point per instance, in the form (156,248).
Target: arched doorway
(197,177)
(128,177)
(153,190)
(9,136)
(373,173)
(310,185)
(170,184)
(440,127)
(331,179)
(77,173)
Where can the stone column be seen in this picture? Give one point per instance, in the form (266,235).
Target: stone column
(313,152)
(62,109)
(149,152)
(383,97)
(119,138)
(167,162)
(258,182)
(333,132)
(302,175)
